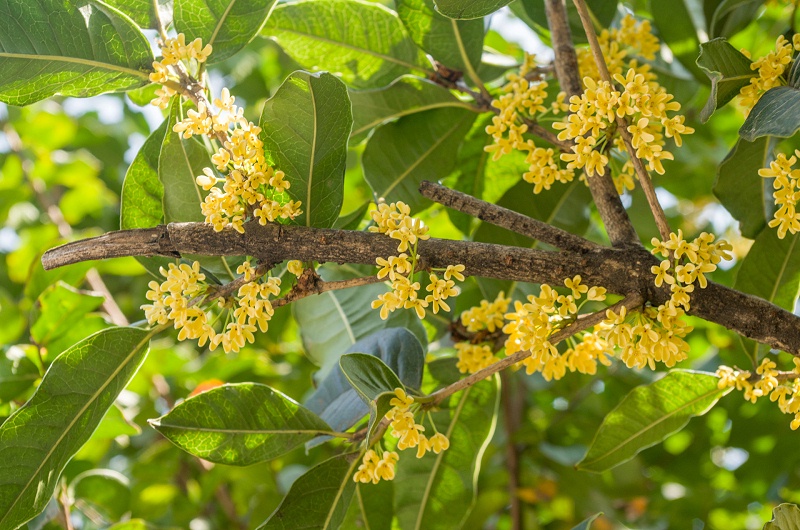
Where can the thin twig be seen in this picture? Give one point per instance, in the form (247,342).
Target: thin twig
(622,125)
(321,286)
(631,301)
(505,218)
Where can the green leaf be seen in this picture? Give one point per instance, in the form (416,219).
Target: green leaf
(676,28)
(372,506)
(105,491)
(142,12)
(422,146)
(59,49)
(318,499)
(353,219)
(784,517)
(37,441)
(438,491)
(777,113)
(373,381)
(732,16)
(729,71)
(17,373)
(739,187)
(466,9)
(141,203)
(586,524)
(239,424)
(337,402)
(333,321)
(179,163)
(771,269)
(456,44)
(368,375)
(228,25)
(362,42)
(470,171)
(305,127)
(407,95)
(648,414)
(58,309)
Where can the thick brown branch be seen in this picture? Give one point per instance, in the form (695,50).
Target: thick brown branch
(605,196)
(504,218)
(620,270)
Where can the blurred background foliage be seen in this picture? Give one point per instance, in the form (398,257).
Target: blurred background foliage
(725,470)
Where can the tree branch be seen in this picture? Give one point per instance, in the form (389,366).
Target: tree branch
(605,196)
(505,218)
(620,270)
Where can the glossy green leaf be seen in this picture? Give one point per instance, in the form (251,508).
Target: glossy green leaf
(784,517)
(740,188)
(422,146)
(362,42)
(777,113)
(305,127)
(38,440)
(141,203)
(586,524)
(50,47)
(368,375)
(239,424)
(676,28)
(353,219)
(107,492)
(470,171)
(729,71)
(648,414)
(438,491)
(58,309)
(372,506)
(334,321)
(318,500)
(466,9)
(731,16)
(457,45)
(17,373)
(407,95)
(179,163)
(227,25)
(337,402)
(771,269)
(142,12)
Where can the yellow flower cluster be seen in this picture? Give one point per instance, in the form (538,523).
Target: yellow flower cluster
(523,99)
(176,300)
(250,186)
(687,262)
(173,52)
(647,336)
(395,221)
(486,316)
(593,118)
(409,435)
(474,357)
(530,326)
(787,193)
(771,69)
(620,48)
(783,388)
(374,468)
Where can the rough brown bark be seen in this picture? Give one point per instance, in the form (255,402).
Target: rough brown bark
(620,270)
